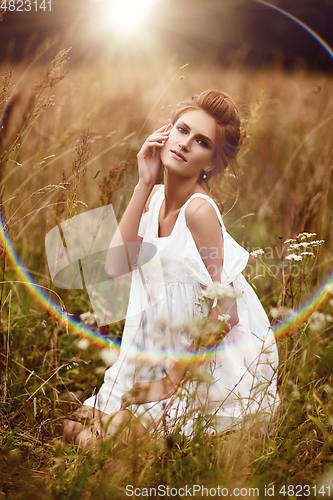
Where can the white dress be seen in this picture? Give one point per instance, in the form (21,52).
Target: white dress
(237,379)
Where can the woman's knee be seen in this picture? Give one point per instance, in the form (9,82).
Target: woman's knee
(108,426)
(67,426)
(81,417)
(69,429)
(85,438)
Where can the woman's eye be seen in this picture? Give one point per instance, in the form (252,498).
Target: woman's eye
(181,129)
(202,143)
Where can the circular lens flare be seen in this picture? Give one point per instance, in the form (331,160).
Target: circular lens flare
(129,15)
(287,327)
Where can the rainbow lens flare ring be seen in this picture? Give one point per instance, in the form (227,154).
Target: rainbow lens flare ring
(41,294)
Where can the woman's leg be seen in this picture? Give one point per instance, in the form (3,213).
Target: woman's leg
(79,419)
(102,428)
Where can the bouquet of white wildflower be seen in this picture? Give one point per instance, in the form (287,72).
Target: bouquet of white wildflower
(217,291)
(210,334)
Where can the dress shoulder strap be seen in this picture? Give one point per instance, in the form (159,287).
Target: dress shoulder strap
(210,200)
(156,198)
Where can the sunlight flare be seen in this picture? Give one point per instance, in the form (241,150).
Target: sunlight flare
(129,15)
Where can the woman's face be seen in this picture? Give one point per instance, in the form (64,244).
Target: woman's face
(191,144)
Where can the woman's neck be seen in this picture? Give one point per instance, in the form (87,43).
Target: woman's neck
(178,190)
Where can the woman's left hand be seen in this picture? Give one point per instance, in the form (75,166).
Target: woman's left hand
(147,392)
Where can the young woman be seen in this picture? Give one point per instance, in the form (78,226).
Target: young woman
(151,386)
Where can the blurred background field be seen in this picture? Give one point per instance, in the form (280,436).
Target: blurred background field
(78,152)
(283,183)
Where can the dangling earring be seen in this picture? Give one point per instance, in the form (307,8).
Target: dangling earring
(204,175)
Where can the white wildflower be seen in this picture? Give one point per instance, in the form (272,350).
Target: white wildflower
(329,318)
(108,356)
(161,322)
(223,317)
(295,392)
(303,236)
(328,389)
(317,243)
(274,311)
(289,241)
(256,253)
(83,344)
(280,312)
(196,327)
(219,291)
(88,318)
(293,256)
(317,321)
(329,289)
(308,253)
(303,244)
(100,370)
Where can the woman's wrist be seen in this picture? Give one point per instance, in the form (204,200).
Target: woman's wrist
(144,187)
(176,375)
(169,386)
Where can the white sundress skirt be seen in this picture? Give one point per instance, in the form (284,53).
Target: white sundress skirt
(239,377)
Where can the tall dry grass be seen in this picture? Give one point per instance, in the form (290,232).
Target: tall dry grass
(79,154)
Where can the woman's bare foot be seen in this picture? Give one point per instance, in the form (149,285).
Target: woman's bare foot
(78,420)
(91,427)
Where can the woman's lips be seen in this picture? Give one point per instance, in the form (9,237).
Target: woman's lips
(178,156)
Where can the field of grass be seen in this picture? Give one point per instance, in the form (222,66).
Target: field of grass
(69,144)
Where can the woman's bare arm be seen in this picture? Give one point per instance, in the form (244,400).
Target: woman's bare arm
(149,166)
(204,225)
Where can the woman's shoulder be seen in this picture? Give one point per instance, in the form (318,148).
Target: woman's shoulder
(201,208)
(202,220)
(153,191)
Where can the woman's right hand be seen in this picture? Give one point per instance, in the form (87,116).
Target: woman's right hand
(149,164)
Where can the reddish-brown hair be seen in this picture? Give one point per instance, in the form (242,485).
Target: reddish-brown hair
(229,134)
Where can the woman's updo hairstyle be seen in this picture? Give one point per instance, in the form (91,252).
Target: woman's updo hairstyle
(229,134)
